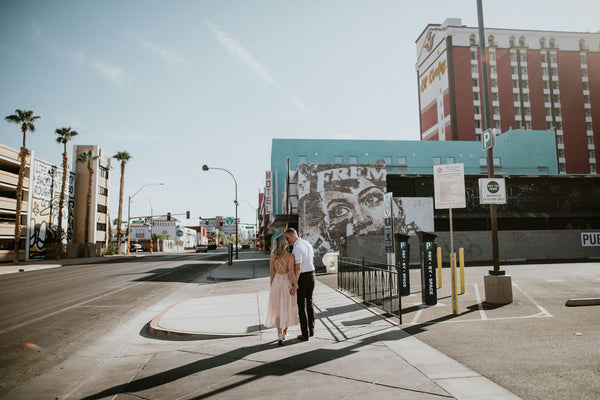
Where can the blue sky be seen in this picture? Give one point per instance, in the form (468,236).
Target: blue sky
(179,84)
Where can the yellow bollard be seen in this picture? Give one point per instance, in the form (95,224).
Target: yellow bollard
(439,266)
(453,283)
(461,255)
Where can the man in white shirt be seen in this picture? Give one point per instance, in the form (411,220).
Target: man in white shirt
(305,271)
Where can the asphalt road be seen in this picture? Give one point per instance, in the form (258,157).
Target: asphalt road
(49,315)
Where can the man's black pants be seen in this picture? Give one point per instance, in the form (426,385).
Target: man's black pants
(306,314)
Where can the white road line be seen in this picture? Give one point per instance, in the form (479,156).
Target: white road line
(479,303)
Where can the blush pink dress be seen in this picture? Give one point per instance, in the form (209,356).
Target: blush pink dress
(282,310)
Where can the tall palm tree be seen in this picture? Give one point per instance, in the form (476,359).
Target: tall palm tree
(87,157)
(64,135)
(26,120)
(122,156)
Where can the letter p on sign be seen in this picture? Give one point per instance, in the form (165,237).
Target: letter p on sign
(488,138)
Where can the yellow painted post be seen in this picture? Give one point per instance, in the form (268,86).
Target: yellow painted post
(461,256)
(453,283)
(439,266)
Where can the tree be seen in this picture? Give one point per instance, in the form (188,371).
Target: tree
(26,120)
(88,157)
(64,135)
(122,156)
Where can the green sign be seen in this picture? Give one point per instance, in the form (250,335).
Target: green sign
(229,221)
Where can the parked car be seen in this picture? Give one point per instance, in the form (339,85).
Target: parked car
(245,246)
(135,247)
(202,248)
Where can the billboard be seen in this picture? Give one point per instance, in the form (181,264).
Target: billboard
(341,200)
(45,196)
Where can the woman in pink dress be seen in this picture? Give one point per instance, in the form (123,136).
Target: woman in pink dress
(282,311)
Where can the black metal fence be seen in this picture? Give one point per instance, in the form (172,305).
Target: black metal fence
(377,284)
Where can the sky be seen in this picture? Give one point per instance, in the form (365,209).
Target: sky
(179,84)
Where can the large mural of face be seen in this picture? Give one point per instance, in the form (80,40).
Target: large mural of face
(336,201)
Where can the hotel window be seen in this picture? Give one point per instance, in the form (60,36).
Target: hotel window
(477,124)
(475,96)
(495,110)
(474,55)
(525,97)
(497,124)
(586,86)
(402,161)
(517,111)
(584,72)
(476,110)
(302,159)
(588,126)
(545,85)
(518,125)
(523,57)
(516,97)
(102,208)
(562,168)
(474,69)
(545,71)
(102,191)
(548,112)
(436,160)
(591,154)
(100,227)
(515,84)
(553,71)
(589,138)
(492,56)
(559,125)
(582,59)
(554,85)
(494,82)
(387,160)
(527,125)
(513,70)
(475,83)
(524,84)
(561,153)
(103,173)
(586,99)
(353,159)
(338,159)
(559,140)
(513,57)
(493,70)
(523,70)
(544,59)
(593,168)
(494,96)
(553,58)
(588,112)
(546,98)
(526,111)
(556,98)
(557,112)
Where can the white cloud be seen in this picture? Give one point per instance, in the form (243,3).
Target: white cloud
(114,74)
(240,53)
(168,57)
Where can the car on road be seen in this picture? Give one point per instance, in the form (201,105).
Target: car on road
(245,246)
(202,248)
(135,247)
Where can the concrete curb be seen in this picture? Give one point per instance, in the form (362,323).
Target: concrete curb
(583,302)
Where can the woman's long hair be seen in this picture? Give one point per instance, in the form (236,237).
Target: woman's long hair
(280,247)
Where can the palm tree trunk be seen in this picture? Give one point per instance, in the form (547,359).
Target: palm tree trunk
(61,204)
(120,214)
(19,196)
(89,206)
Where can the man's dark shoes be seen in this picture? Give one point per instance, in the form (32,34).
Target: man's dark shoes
(302,338)
(311,333)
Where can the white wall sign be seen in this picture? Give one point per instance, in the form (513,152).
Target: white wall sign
(590,239)
(449,186)
(492,191)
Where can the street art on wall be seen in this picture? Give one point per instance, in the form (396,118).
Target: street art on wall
(45,196)
(341,200)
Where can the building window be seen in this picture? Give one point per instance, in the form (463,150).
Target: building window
(582,59)
(103,172)
(436,160)
(525,97)
(338,159)
(101,227)
(586,86)
(559,125)
(556,98)
(588,126)
(102,191)
(477,124)
(561,153)
(497,124)
(494,96)
(544,59)
(476,110)
(353,159)
(482,161)
(554,85)
(586,99)
(515,84)
(493,70)
(584,72)
(513,70)
(517,111)
(495,110)
(402,161)
(557,112)
(475,96)
(591,154)
(475,83)
(472,40)
(492,56)
(593,168)
(387,160)
(494,82)
(102,208)
(302,159)
(516,97)
(513,57)
(474,55)
(474,69)
(450,160)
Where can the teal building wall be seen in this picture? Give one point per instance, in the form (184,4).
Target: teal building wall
(517,152)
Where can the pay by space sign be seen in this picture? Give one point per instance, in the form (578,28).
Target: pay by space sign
(590,238)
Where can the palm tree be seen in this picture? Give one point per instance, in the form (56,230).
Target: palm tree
(25,119)
(86,158)
(122,156)
(64,135)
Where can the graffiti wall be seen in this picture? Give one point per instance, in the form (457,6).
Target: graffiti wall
(45,196)
(337,201)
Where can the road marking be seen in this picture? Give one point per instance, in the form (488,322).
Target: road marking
(479,303)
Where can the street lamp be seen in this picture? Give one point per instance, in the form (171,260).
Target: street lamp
(206,168)
(129,207)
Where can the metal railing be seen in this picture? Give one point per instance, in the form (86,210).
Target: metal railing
(377,284)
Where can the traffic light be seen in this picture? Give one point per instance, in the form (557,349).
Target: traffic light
(206,220)
(168,216)
(187,215)
(221,222)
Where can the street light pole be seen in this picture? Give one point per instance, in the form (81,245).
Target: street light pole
(129,214)
(206,168)
(256,223)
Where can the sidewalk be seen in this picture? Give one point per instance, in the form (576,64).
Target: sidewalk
(355,352)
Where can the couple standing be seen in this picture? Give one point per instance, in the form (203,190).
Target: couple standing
(292,285)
